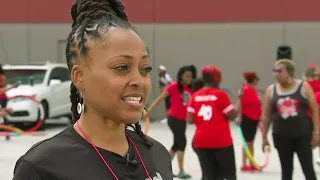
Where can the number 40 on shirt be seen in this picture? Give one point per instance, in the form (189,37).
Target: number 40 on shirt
(205,112)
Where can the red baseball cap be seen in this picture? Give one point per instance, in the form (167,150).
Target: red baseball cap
(250,75)
(213,71)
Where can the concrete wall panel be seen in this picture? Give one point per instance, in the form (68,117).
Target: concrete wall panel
(13,44)
(305,38)
(234,47)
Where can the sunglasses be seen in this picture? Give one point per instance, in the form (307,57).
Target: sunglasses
(276,70)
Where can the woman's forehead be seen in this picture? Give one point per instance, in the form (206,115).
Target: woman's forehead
(118,41)
(280,65)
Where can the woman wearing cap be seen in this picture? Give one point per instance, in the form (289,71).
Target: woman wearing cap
(249,118)
(3,97)
(210,109)
(286,105)
(311,76)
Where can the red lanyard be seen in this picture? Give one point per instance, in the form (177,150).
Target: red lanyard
(102,158)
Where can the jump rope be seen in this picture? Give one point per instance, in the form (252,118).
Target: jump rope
(13,131)
(267,149)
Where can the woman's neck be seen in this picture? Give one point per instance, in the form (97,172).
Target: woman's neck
(210,85)
(289,84)
(251,84)
(104,133)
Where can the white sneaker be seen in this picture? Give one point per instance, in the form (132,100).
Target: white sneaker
(163,121)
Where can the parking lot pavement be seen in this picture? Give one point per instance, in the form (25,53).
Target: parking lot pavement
(10,151)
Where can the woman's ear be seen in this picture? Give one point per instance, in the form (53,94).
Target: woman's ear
(77,76)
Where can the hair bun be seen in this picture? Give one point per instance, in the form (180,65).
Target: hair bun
(92,9)
(249,75)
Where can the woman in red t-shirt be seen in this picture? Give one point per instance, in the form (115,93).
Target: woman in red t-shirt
(210,109)
(180,93)
(3,96)
(3,84)
(311,76)
(318,102)
(251,111)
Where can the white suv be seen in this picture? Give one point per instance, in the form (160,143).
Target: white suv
(49,83)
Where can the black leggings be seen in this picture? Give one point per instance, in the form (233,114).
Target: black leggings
(217,164)
(178,128)
(286,147)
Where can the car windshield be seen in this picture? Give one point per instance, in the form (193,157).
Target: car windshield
(25,76)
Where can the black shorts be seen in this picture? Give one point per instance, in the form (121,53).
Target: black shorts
(3,102)
(249,128)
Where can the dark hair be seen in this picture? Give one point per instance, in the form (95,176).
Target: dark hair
(250,80)
(197,84)
(92,18)
(207,78)
(193,69)
(181,71)
(1,70)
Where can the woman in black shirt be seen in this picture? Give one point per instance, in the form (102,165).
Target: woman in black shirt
(109,66)
(295,128)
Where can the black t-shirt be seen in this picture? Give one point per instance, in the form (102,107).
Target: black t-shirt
(67,156)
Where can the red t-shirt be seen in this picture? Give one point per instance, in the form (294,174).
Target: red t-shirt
(315,85)
(318,101)
(179,101)
(251,104)
(209,108)
(318,97)
(2,80)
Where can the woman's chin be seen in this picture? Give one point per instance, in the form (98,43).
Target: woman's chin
(131,119)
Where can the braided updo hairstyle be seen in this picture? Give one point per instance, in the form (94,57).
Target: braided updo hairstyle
(91,19)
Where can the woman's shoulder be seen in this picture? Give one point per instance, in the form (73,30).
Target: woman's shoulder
(172,84)
(51,148)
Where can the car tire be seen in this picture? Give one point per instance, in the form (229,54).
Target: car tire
(45,107)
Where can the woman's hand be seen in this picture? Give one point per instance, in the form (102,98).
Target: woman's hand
(315,139)
(4,112)
(265,143)
(14,85)
(238,120)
